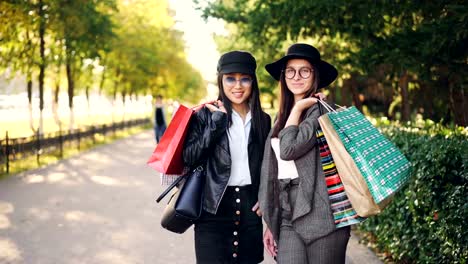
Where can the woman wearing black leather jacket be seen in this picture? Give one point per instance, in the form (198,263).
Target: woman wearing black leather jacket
(228,137)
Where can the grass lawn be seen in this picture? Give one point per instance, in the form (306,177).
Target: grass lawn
(69,150)
(21,128)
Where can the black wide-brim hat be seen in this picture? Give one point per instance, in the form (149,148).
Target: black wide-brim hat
(327,73)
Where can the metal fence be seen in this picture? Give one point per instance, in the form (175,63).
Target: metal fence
(14,149)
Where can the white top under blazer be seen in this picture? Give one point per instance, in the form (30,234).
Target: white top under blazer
(286,168)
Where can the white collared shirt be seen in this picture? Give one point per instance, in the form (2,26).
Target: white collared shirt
(286,168)
(238,135)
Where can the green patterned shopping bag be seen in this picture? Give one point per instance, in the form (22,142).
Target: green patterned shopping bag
(383,166)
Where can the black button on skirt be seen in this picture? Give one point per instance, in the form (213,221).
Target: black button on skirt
(234,234)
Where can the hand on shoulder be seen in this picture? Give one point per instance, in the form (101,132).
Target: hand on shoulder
(305,103)
(216,106)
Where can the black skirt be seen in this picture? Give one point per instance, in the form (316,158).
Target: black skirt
(234,234)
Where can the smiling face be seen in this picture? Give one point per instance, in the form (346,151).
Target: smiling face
(237,87)
(299,77)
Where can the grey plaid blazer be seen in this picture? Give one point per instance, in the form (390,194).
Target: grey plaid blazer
(312,217)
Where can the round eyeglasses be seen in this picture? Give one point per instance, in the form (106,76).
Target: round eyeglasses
(304,72)
(244,81)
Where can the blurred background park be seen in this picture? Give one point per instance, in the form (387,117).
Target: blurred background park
(68,65)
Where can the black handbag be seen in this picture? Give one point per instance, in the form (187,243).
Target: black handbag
(186,202)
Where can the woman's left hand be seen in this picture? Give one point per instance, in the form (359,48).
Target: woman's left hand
(321,96)
(305,103)
(256,209)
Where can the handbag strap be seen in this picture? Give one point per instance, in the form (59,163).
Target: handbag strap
(174,184)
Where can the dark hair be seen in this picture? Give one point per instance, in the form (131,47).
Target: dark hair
(259,129)
(287,101)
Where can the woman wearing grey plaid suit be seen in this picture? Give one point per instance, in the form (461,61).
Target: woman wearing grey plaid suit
(293,193)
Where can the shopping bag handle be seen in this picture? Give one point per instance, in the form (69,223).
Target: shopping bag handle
(327,106)
(200,106)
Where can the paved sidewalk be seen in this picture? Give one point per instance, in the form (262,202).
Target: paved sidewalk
(98,207)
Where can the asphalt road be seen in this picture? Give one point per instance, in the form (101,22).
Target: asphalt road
(98,207)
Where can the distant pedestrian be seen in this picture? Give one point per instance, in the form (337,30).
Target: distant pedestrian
(159,119)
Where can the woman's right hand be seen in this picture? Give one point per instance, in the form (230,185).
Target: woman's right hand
(269,243)
(212,107)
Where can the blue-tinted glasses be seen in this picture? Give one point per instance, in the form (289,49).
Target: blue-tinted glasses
(244,81)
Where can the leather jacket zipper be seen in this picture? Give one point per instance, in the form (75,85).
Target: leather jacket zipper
(222,195)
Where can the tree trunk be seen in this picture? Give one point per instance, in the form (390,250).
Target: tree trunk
(114,93)
(42,65)
(332,96)
(56,97)
(405,107)
(30,106)
(345,98)
(55,103)
(71,89)
(124,99)
(87,88)
(55,100)
(29,84)
(87,93)
(458,104)
(88,103)
(101,83)
(353,85)
(272,101)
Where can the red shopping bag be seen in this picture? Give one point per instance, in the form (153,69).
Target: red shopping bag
(167,156)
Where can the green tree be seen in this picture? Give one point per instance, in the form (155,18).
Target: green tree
(148,55)
(403,46)
(130,48)
(18,33)
(85,28)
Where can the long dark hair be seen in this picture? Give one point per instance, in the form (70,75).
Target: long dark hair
(287,101)
(258,127)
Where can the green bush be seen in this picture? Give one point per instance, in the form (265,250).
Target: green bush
(427,220)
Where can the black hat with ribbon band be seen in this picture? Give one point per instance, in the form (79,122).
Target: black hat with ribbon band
(237,61)
(327,73)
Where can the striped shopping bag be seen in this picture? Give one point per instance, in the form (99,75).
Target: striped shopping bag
(383,166)
(343,212)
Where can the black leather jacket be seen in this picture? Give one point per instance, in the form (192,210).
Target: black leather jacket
(207,143)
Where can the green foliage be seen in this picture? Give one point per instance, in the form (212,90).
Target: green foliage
(148,57)
(385,44)
(18,35)
(426,221)
(420,126)
(124,47)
